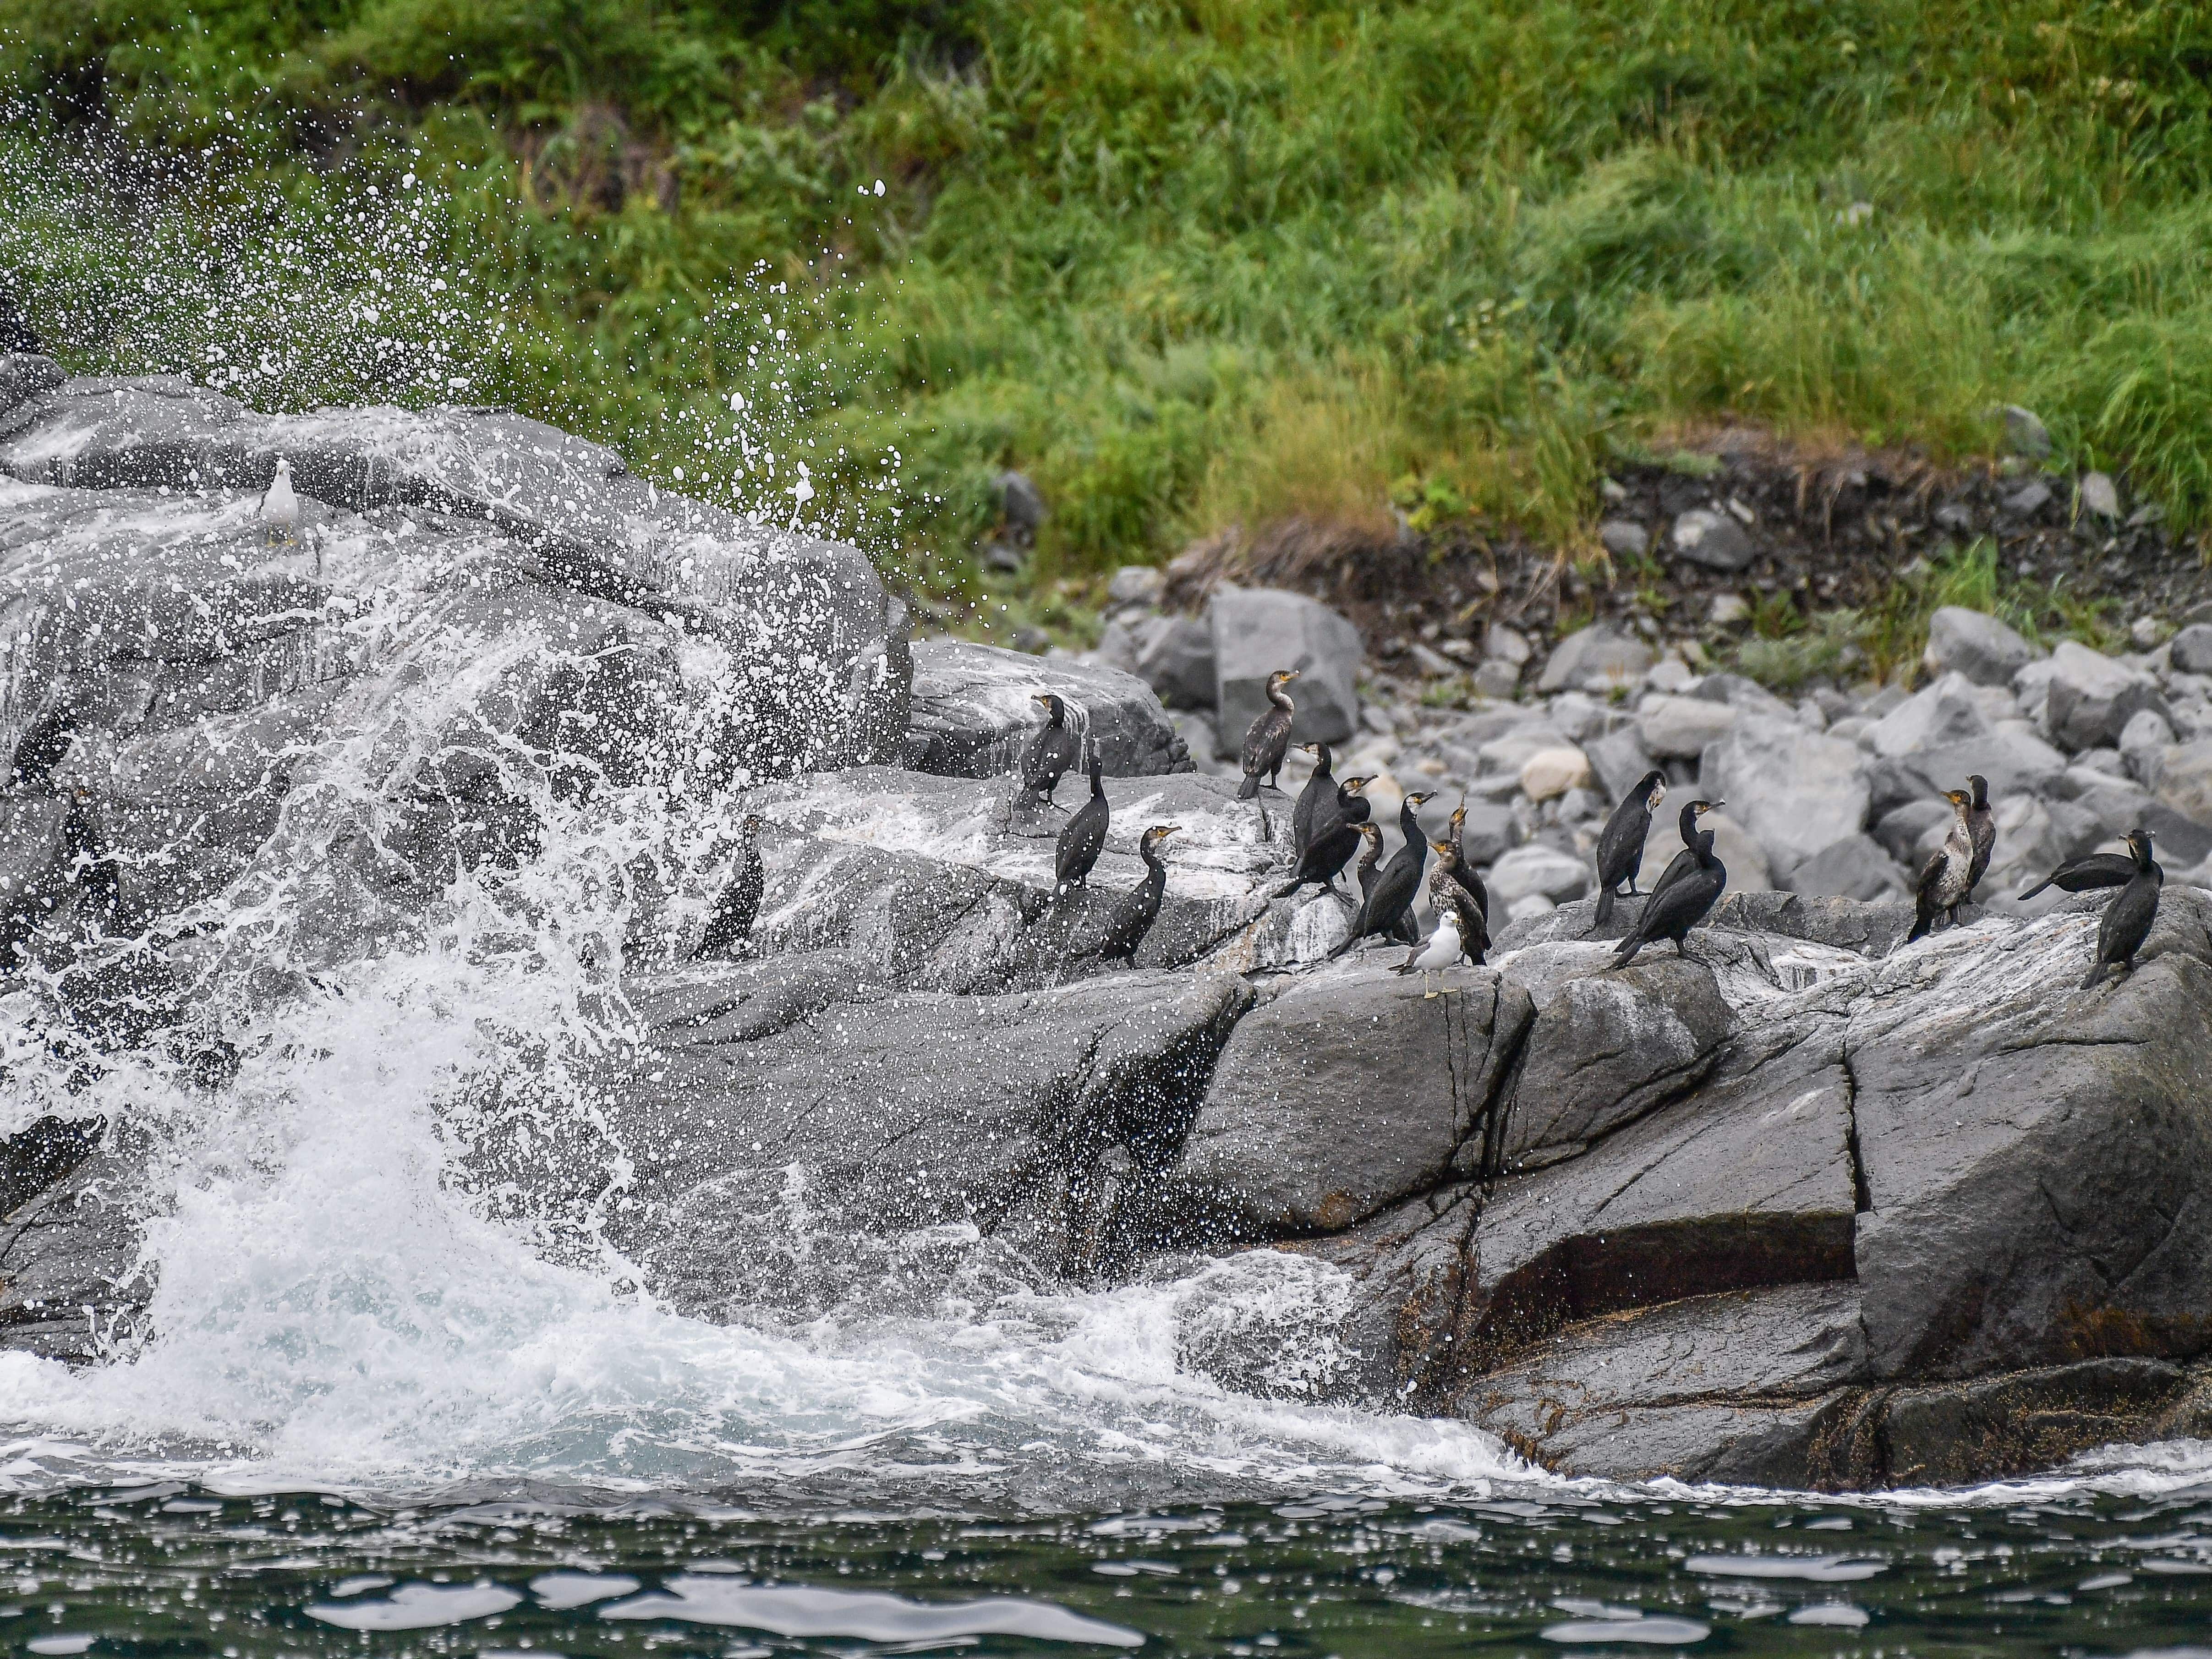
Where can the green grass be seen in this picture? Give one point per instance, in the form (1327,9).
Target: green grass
(1787,648)
(1189,265)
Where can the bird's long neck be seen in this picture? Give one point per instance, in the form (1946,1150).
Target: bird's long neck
(1409,822)
(1322,762)
(1281,699)
(1097,780)
(1688,823)
(1152,858)
(1059,715)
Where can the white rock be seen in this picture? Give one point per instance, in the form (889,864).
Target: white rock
(1670,674)
(1529,904)
(1624,539)
(2143,743)
(1983,649)
(1748,871)
(1258,630)
(1496,678)
(1727,609)
(2185,780)
(1594,658)
(2100,495)
(1507,644)
(1796,791)
(1712,539)
(2091,697)
(1536,868)
(1679,728)
(1946,712)
(1550,773)
(1135,583)
(2190,650)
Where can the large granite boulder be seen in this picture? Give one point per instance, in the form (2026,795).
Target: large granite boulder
(477,610)
(947,883)
(762,1098)
(1796,791)
(1258,630)
(974,713)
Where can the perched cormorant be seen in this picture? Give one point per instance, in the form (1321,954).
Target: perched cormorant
(1943,879)
(1391,899)
(1335,837)
(1269,738)
(1320,790)
(1463,868)
(1982,824)
(732,924)
(1406,931)
(1136,910)
(1052,753)
(1370,855)
(1081,837)
(2087,873)
(2129,916)
(1455,907)
(1684,894)
(1620,848)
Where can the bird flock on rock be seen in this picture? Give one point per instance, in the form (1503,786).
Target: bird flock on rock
(1332,825)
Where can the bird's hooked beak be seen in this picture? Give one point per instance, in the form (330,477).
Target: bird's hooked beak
(1042,698)
(1705,806)
(1658,793)
(1355,785)
(1422,797)
(1440,846)
(1162,831)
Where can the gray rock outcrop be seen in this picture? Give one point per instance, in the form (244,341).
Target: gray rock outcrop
(1801,1204)
(974,712)
(1258,630)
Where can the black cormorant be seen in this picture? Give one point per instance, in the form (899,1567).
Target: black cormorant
(1320,790)
(1053,753)
(1269,737)
(1942,884)
(1620,848)
(2129,916)
(2085,874)
(1136,910)
(1081,837)
(1463,868)
(1982,824)
(1389,903)
(1689,888)
(1335,837)
(732,924)
(1370,855)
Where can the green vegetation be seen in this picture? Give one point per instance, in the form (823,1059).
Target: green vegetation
(1213,262)
(1883,641)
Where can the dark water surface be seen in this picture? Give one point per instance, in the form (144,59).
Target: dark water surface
(173,1567)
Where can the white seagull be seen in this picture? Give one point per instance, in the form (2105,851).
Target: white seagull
(280,507)
(1440,952)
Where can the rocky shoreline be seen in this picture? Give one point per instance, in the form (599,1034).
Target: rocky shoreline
(1805,1207)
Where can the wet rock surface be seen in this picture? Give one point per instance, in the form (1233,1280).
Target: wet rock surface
(1801,1204)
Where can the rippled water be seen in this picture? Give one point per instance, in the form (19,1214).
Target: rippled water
(2113,1563)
